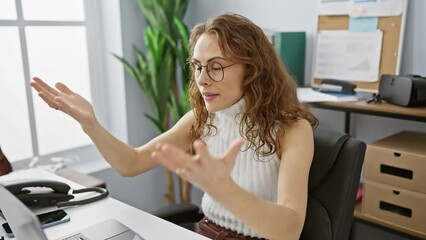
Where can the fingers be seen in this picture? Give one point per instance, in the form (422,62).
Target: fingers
(182,163)
(52,103)
(63,88)
(171,157)
(41,86)
(234,149)
(54,98)
(201,149)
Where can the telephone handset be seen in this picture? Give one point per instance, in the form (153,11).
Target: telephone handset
(50,193)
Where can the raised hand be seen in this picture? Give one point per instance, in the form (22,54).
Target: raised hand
(202,170)
(65,100)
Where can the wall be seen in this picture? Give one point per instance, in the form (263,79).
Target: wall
(144,191)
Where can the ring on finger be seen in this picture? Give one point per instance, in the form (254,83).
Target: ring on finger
(180,171)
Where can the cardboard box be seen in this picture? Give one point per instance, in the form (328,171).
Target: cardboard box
(398,160)
(397,206)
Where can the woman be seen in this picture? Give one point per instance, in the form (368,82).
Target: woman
(252,138)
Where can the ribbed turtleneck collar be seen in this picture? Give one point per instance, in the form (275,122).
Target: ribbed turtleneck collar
(233,110)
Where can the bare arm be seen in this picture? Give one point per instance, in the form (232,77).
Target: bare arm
(285,218)
(281,220)
(128,161)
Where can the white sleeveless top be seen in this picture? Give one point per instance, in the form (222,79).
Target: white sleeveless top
(259,177)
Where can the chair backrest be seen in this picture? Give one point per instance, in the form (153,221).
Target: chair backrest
(333,182)
(5,166)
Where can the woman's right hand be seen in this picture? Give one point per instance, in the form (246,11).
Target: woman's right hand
(62,98)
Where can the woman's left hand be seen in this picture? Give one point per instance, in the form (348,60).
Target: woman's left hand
(202,169)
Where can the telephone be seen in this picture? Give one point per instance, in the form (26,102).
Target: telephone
(337,86)
(50,193)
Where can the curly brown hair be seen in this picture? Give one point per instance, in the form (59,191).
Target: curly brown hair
(269,90)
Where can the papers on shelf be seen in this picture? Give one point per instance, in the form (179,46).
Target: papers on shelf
(312,95)
(351,56)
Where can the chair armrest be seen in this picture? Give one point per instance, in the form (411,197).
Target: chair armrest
(180,213)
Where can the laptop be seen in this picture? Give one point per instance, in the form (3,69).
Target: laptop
(25,225)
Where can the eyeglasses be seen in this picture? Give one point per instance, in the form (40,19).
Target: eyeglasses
(214,70)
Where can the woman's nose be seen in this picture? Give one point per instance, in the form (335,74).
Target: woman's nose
(203,78)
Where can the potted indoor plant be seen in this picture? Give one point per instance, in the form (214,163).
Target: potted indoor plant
(155,70)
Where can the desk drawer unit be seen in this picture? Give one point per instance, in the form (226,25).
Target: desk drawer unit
(394,205)
(398,160)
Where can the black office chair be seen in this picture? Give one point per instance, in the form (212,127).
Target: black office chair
(333,183)
(5,166)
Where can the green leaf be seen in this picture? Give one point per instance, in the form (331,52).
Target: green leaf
(156,123)
(183,53)
(127,66)
(166,40)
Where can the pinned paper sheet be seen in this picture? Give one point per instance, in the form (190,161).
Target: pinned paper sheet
(377,8)
(357,10)
(351,56)
(363,24)
(361,8)
(334,7)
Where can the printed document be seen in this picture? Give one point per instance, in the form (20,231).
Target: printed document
(350,56)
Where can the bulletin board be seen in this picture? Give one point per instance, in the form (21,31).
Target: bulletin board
(393,31)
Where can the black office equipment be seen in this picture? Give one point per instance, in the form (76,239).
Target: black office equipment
(407,91)
(47,219)
(337,86)
(41,193)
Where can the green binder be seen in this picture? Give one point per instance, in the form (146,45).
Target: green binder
(291,46)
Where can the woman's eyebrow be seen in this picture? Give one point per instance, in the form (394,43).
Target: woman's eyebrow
(209,60)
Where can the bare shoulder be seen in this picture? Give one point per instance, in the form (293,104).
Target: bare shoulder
(298,130)
(298,137)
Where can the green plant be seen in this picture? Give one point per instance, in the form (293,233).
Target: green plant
(155,71)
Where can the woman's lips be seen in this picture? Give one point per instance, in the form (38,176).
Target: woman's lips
(210,96)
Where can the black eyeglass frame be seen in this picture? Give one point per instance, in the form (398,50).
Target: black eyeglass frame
(208,74)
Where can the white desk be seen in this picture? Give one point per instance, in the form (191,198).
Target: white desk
(147,225)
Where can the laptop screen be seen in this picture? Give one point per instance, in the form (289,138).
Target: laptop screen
(21,219)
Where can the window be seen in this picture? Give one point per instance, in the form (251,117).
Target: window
(57,41)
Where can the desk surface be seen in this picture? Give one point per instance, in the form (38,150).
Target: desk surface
(147,225)
(380,109)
